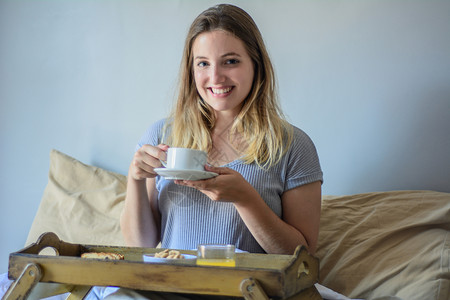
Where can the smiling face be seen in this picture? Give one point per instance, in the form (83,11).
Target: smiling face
(223,71)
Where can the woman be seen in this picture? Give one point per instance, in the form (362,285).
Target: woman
(266,197)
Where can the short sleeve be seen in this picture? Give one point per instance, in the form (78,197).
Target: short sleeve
(152,135)
(302,165)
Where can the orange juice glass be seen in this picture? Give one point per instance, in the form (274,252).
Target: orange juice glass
(216,255)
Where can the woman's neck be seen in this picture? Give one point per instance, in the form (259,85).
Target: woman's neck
(226,146)
(223,121)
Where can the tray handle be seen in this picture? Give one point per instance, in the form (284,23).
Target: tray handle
(303,269)
(51,240)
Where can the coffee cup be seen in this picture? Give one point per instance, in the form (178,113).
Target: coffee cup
(185,159)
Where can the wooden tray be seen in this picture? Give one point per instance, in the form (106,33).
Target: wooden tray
(256,276)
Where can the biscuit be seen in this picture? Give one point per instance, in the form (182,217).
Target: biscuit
(103,255)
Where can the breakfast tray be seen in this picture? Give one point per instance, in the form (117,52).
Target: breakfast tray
(256,276)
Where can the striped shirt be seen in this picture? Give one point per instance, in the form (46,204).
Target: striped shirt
(189,218)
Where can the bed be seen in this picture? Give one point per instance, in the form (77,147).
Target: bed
(381,245)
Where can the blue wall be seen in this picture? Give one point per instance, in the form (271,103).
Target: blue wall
(369,81)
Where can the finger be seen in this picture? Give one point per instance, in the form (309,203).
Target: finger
(155,155)
(140,175)
(143,164)
(191,183)
(163,147)
(140,170)
(218,170)
(163,155)
(196,184)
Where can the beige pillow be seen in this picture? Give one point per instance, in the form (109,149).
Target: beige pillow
(81,203)
(386,244)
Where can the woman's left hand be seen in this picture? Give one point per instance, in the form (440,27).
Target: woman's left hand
(228,186)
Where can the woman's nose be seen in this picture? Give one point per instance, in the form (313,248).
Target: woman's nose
(217,75)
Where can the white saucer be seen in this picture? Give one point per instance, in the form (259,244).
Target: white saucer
(184,174)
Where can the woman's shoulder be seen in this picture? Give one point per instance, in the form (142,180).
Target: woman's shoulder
(153,133)
(301,141)
(298,135)
(158,125)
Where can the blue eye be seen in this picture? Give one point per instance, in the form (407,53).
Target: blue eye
(232,61)
(202,64)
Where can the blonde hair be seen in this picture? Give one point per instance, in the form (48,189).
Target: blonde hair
(260,123)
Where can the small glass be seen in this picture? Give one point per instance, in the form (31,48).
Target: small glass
(216,255)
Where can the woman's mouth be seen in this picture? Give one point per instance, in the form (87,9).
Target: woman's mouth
(220,91)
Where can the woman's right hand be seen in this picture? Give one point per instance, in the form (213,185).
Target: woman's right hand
(145,160)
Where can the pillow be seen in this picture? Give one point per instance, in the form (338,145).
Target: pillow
(370,245)
(81,203)
(386,244)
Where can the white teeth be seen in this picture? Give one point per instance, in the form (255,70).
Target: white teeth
(221,91)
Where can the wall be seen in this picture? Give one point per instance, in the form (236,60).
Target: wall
(369,81)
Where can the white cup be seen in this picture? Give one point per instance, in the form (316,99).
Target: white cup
(185,159)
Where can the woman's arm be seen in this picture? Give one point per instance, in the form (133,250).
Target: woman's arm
(299,224)
(140,219)
(301,209)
